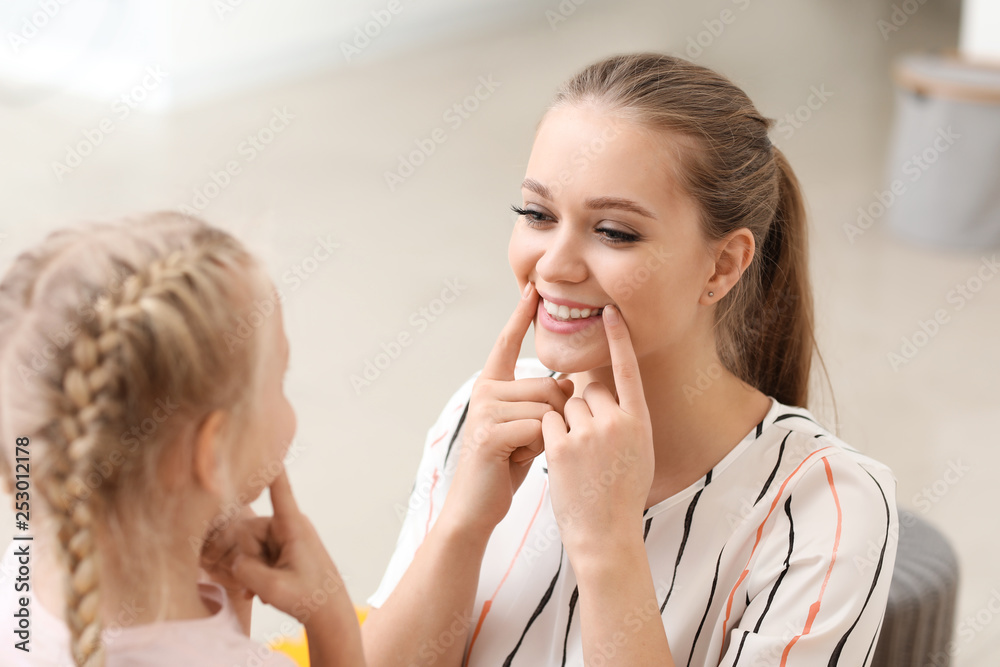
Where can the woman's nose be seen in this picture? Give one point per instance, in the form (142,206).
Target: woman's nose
(562,258)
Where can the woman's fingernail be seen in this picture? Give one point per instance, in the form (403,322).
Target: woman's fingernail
(526,292)
(610,315)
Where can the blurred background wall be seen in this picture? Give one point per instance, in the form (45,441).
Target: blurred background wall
(307,124)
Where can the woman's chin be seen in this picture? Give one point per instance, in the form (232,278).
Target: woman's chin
(566,359)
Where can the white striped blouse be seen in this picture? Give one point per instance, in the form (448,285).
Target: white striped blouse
(781,554)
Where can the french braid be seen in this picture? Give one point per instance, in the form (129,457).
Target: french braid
(161,331)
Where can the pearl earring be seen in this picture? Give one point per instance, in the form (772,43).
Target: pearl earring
(711,293)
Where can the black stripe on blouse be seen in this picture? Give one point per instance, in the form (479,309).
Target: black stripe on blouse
(835,658)
(569,623)
(688,520)
(538,610)
(711,596)
(777,582)
(454,436)
(789,415)
(774,470)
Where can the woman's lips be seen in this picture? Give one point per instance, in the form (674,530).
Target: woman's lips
(550,323)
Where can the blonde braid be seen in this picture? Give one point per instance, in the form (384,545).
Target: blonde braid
(92,387)
(160,335)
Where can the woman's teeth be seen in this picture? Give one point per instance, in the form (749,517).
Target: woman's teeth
(567,313)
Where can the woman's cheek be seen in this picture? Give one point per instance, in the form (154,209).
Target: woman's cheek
(526,248)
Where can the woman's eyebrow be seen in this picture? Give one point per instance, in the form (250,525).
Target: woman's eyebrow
(619,204)
(537,188)
(597,203)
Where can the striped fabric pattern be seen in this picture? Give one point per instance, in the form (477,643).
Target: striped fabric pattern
(781,554)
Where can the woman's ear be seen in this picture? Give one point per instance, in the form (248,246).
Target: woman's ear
(733,254)
(207,462)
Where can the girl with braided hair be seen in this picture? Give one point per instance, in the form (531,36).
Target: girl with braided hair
(151,415)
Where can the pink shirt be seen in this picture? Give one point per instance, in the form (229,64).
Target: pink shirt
(217,640)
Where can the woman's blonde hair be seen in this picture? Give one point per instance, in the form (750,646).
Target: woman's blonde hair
(116,341)
(764,325)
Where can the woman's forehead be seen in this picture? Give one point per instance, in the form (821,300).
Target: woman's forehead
(603,154)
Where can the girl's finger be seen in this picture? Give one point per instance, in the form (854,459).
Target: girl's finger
(253,534)
(253,574)
(282,499)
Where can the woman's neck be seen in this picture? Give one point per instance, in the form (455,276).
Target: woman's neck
(699,412)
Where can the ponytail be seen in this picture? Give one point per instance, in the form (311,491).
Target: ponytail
(780,361)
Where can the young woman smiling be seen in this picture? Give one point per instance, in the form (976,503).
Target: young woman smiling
(600,505)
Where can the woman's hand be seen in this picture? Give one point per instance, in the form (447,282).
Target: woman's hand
(502,432)
(600,456)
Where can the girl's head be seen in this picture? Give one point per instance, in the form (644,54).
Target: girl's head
(143,360)
(652,185)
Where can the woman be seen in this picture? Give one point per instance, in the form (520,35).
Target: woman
(651,490)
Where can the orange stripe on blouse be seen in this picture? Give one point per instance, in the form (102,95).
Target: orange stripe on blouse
(760,532)
(440,438)
(489,603)
(814,608)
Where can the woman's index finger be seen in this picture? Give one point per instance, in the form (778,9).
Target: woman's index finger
(624,364)
(503,357)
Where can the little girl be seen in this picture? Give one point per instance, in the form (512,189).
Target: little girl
(147,419)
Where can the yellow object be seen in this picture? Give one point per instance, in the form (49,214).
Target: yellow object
(297,648)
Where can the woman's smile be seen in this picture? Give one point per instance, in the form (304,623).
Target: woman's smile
(563,316)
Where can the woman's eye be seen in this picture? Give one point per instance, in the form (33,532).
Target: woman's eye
(536,218)
(531,216)
(617,235)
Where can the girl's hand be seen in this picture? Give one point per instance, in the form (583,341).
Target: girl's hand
(600,456)
(221,546)
(288,565)
(502,432)
(294,573)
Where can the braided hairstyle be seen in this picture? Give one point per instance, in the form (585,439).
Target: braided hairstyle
(116,339)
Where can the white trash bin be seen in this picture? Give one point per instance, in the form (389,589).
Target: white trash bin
(944,157)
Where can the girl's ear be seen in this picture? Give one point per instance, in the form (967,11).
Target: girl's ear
(733,254)
(207,463)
